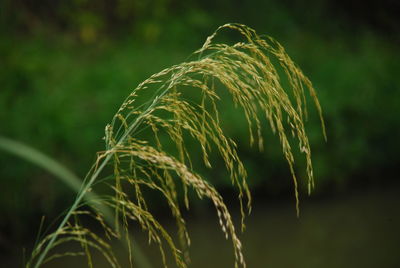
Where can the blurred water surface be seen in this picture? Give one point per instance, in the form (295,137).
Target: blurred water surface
(353,230)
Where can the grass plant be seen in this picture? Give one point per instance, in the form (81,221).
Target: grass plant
(145,146)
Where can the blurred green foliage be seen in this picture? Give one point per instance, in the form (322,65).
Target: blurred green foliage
(67,65)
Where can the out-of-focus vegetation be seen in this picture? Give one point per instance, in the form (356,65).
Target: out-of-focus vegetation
(65,66)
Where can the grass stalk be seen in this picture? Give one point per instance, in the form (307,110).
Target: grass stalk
(69,178)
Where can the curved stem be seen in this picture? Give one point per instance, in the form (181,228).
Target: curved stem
(93,177)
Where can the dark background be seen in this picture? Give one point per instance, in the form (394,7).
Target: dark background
(66,66)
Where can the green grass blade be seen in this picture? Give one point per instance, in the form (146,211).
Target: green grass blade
(66,176)
(38,158)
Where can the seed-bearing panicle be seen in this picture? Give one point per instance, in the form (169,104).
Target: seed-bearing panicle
(146,143)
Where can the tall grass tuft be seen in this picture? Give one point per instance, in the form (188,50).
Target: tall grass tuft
(146,145)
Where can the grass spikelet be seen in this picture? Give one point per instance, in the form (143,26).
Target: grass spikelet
(146,142)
